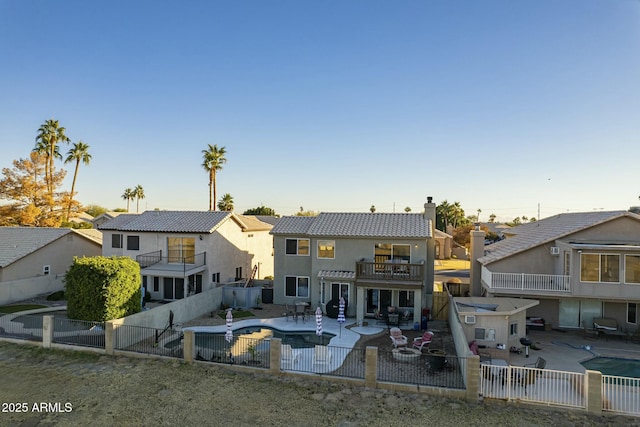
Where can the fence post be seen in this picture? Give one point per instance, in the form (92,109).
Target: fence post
(47,331)
(593,389)
(472,377)
(371,367)
(275,349)
(189,345)
(109,336)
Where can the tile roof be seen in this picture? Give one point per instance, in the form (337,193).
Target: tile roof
(91,234)
(180,222)
(546,230)
(18,242)
(391,225)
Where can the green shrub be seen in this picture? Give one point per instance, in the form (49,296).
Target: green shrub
(102,288)
(56,296)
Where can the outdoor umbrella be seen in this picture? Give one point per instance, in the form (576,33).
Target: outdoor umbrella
(341,318)
(318,322)
(229,335)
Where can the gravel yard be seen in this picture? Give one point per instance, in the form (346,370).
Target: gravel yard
(80,389)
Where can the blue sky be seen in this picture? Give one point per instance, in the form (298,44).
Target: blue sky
(508,107)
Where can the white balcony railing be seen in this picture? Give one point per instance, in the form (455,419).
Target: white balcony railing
(526,282)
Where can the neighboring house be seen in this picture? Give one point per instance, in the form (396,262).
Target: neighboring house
(181,253)
(444,244)
(34,260)
(105,217)
(81,218)
(373,260)
(579,265)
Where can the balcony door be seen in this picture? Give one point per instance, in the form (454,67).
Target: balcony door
(573,311)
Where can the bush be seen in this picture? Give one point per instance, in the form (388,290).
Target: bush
(56,296)
(102,288)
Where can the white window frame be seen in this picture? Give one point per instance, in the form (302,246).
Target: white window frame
(298,285)
(600,272)
(625,268)
(298,240)
(46,270)
(331,243)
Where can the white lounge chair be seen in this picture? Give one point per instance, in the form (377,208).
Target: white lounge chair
(321,354)
(288,355)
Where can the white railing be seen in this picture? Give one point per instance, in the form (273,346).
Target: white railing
(621,395)
(534,385)
(526,282)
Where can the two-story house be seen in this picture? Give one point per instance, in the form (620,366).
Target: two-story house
(580,266)
(186,252)
(372,260)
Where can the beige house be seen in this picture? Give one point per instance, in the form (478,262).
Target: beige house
(185,252)
(34,260)
(444,244)
(373,260)
(580,266)
(496,324)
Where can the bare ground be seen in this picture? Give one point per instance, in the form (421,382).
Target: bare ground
(121,391)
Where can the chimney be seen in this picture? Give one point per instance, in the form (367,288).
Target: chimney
(430,218)
(477,251)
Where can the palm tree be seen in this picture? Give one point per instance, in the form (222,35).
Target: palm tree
(372,208)
(226,203)
(213,159)
(78,153)
(138,192)
(407,209)
(128,195)
(49,134)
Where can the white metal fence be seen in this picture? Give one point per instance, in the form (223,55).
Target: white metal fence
(621,395)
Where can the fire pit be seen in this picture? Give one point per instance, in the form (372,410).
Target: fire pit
(406,354)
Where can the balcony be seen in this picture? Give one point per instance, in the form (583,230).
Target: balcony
(153,263)
(526,283)
(390,273)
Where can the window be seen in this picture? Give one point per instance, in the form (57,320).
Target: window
(632,313)
(297,247)
(238,273)
(326,249)
(406,299)
(181,249)
(133,243)
(46,269)
(600,268)
(632,269)
(386,252)
(156,284)
(116,241)
(215,277)
(340,290)
(296,286)
(513,329)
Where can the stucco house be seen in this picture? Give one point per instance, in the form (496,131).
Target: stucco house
(185,252)
(444,244)
(34,260)
(580,266)
(373,260)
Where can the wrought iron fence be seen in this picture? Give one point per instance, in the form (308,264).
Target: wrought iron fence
(410,366)
(164,342)
(241,350)
(78,332)
(324,360)
(621,395)
(23,327)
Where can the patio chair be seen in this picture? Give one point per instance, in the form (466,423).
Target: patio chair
(397,339)
(588,332)
(538,364)
(287,355)
(288,311)
(321,354)
(424,340)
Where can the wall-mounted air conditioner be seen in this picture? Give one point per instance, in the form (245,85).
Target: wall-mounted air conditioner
(555,250)
(470,320)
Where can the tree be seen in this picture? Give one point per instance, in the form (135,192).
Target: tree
(226,203)
(78,153)
(478,215)
(95,210)
(306,213)
(128,195)
(212,161)
(407,209)
(261,210)
(373,208)
(31,204)
(492,218)
(49,134)
(138,192)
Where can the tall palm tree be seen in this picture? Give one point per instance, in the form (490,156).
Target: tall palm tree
(213,159)
(49,134)
(78,153)
(226,203)
(139,194)
(128,195)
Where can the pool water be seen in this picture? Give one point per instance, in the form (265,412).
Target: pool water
(614,366)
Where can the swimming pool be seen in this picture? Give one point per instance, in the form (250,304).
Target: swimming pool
(614,366)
